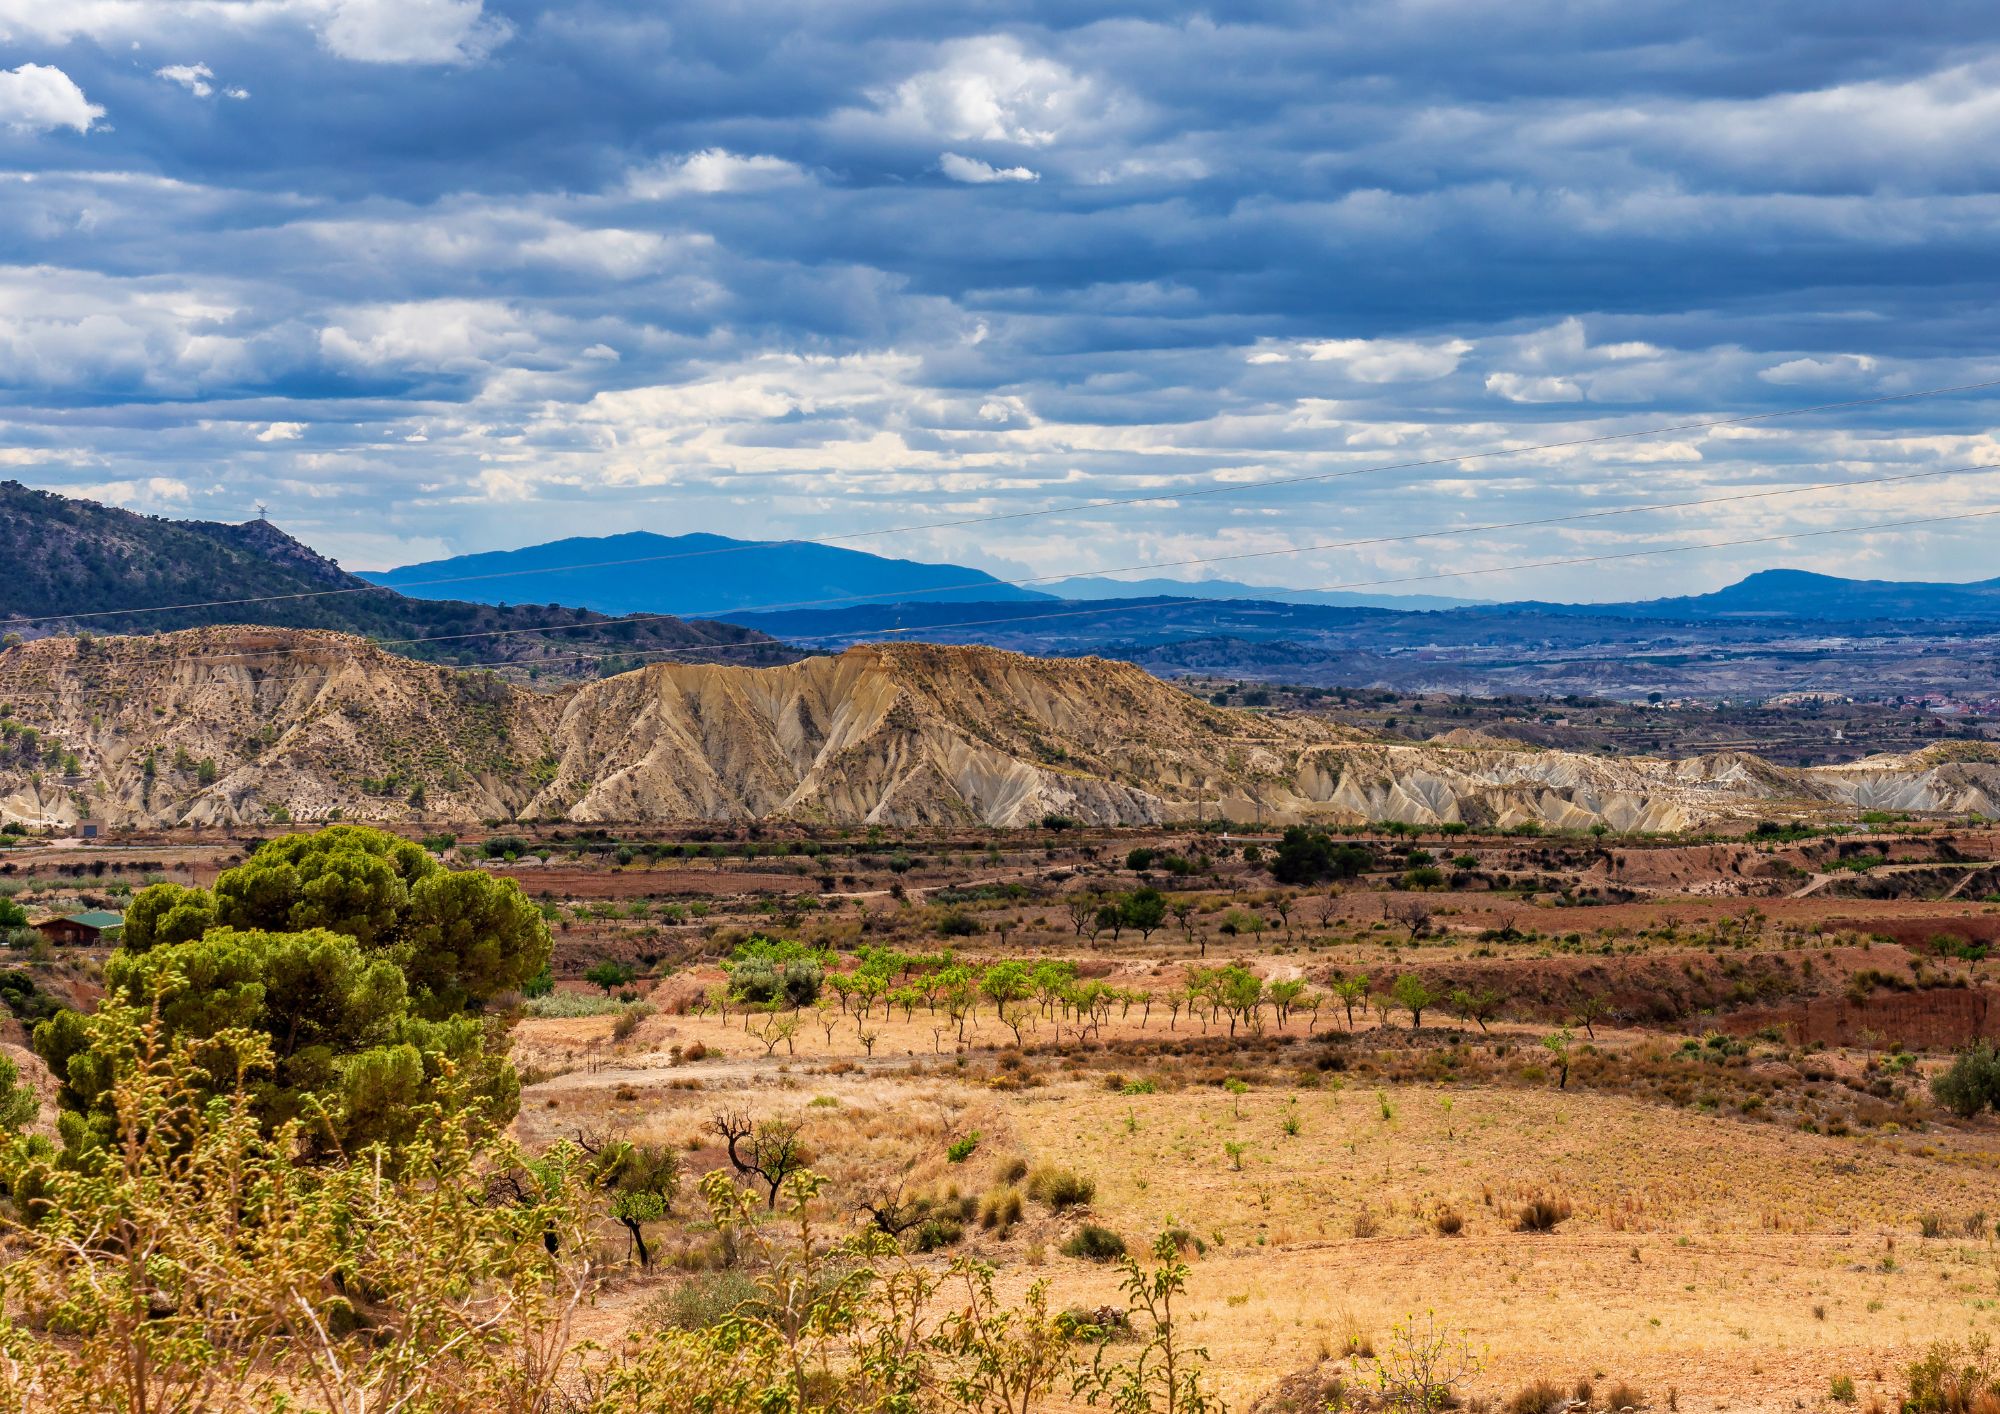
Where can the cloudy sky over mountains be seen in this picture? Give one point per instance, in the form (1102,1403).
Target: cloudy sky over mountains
(438,275)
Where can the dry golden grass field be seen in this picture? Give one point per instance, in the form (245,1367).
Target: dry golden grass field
(1754,1202)
(1709,1261)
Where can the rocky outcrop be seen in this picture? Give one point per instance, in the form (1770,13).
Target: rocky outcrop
(250,726)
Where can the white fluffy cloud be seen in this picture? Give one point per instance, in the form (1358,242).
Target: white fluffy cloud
(1391,360)
(1837,368)
(75,331)
(990,89)
(151,493)
(370,31)
(413,31)
(1527,388)
(710,173)
(197,79)
(445,336)
(1940,125)
(971,169)
(39,98)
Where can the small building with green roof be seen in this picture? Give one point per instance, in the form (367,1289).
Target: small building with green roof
(84,929)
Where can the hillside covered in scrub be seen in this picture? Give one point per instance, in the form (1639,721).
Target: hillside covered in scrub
(75,565)
(239,725)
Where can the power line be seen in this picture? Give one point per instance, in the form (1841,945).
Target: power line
(1230,489)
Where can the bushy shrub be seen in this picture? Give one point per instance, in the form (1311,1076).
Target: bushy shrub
(956,923)
(1060,1188)
(934,1233)
(1094,1244)
(20,995)
(762,981)
(1541,1214)
(628,1021)
(1001,1209)
(1309,856)
(1541,1397)
(1971,1083)
(703,1300)
(1950,1378)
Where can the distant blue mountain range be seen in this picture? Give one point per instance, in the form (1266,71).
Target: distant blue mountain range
(691,576)
(1096,587)
(708,576)
(1801,594)
(714,576)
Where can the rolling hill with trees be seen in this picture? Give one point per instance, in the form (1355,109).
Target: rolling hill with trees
(77,566)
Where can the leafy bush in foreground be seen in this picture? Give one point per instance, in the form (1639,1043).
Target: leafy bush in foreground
(190,1266)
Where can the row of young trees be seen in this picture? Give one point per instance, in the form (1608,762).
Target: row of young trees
(778,976)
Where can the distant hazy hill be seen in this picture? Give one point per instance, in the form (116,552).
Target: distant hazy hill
(640,572)
(1800,594)
(1092,588)
(146,574)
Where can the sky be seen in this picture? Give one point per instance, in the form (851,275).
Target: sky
(432,276)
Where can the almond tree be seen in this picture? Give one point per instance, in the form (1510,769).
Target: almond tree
(1413,995)
(769,1150)
(1352,991)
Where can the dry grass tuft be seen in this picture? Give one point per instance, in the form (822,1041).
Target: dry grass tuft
(1542,1213)
(1623,1396)
(1355,1341)
(1059,1187)
(1000,1209)
(1541,1397)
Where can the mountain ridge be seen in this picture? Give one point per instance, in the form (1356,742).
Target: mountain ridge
(1094,587)
(641,571)
(1809,594)
(253,726)
(75,564)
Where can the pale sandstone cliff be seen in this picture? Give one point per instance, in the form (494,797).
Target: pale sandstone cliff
(300,725)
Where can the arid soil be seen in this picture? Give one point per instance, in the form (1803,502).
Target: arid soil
(1743,1140)
(251,727)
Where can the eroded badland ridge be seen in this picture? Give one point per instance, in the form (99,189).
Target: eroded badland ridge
(247,725)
